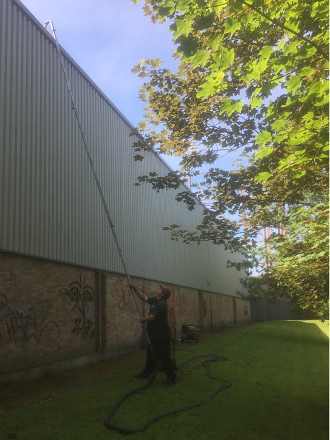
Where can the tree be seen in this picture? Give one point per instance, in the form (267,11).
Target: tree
(253,79)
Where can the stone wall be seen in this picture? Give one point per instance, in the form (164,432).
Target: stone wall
(55,316)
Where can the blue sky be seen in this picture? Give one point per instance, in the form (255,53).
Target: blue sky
(107,38)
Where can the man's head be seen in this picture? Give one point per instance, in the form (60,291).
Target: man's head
(164,292)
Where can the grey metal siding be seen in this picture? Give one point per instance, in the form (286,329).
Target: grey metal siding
(49,204)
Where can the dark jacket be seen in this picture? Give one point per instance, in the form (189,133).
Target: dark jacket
(158,329)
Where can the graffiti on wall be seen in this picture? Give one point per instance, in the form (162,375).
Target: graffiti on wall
(82,297)
(23,323)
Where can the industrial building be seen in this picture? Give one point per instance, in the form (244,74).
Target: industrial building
(64,295)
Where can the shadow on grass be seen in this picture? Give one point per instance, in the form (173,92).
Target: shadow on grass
(306,332)
(279,376)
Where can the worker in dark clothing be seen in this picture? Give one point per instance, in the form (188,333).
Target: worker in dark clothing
(159,334)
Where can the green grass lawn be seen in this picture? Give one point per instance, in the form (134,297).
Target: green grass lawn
(279,376)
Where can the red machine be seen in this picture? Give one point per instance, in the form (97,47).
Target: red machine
(190,331)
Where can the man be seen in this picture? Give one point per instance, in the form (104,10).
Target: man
(159,348)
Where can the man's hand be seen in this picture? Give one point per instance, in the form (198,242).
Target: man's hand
(138,292)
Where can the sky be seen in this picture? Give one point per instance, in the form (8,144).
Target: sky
(107,38)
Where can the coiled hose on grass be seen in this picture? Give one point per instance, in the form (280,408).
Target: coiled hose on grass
(208,359)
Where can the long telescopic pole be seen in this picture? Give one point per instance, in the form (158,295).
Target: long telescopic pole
(96,178)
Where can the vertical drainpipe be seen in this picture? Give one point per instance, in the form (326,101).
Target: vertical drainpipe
(235,310)
(211,313)
(97,317)
(100,311)
(201,310)
(104,313)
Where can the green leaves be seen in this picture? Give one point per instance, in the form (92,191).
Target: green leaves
(266,52)
(230,106)
(187,46)
(253,77)
(199,59)
(181,27)
(293,84)
(256,69)
(231,26)
(205,21)
(224,59)
(219,64)
(263,177)
(262,139)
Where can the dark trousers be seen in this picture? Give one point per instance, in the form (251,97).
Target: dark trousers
(159,351)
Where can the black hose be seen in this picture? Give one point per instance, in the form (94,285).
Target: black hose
(123,430)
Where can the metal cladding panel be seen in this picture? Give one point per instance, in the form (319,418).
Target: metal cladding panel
(49,203)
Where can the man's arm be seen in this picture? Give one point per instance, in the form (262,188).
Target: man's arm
(139,293)
(148,318)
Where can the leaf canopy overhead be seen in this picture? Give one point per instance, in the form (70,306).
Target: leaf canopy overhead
(253,79)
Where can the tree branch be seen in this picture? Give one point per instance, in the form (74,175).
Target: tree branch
(278,23)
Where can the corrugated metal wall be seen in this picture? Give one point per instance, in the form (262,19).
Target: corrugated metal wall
(49,204)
